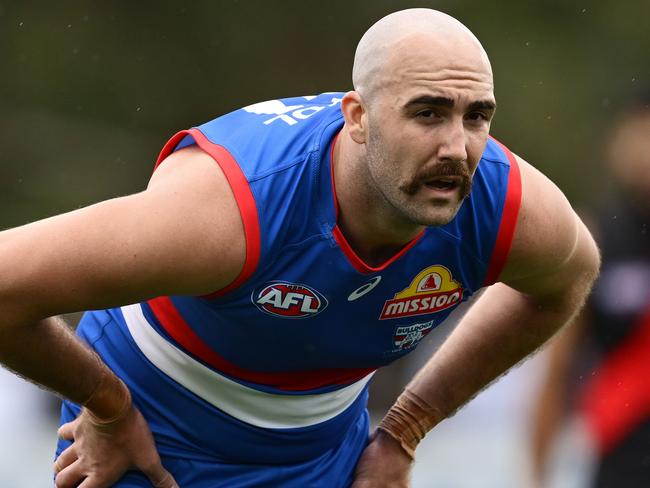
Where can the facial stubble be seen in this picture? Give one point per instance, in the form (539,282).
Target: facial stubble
(401,195)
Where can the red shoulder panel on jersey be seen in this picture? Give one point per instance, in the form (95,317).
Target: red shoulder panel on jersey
(243,196)
(508,219)
(179,330)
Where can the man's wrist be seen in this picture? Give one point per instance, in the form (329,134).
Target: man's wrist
(409,420)
(392,444)
(110,401)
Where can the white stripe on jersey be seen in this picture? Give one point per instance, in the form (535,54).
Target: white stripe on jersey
(249,405)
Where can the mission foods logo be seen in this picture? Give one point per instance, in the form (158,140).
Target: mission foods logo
(432,290)
(289,300)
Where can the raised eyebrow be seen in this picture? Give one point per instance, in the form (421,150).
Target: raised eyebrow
(430,100)
(449,103)
(483,105)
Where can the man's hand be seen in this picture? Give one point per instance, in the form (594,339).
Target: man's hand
(383,464)
(101,454)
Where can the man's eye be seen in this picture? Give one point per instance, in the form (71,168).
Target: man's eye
(425,114)
(477,116)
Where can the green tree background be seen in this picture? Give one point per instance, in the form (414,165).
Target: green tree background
(90,91)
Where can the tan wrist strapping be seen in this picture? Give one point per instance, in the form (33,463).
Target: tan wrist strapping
(408,421)
(110,394)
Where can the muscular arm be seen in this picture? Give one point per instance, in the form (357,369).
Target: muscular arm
(183,235)
(551,267)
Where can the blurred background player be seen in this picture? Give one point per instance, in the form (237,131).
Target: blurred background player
(600,367)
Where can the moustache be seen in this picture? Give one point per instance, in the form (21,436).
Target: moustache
(453,168)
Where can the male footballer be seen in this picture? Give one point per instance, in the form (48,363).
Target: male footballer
(280,254)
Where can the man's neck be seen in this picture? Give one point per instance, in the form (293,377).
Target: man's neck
(369,223)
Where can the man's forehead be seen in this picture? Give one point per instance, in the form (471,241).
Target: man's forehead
(444,90)
(426,62)
(427,78)
(437,46)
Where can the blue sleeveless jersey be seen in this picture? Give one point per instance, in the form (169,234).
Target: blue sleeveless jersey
(278,362)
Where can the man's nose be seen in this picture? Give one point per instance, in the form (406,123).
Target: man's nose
(454,142)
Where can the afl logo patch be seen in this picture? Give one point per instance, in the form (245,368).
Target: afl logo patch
(289,300)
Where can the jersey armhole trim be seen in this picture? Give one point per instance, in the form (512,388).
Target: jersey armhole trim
(508,223)
(243,196)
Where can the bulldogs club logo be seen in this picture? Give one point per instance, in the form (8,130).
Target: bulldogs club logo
(432,290)
(408,336)
(289,300)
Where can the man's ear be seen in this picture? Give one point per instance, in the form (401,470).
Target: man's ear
(356,116)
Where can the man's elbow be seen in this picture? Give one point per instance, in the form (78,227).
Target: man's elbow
(20,305)
(593,261)
(586,271)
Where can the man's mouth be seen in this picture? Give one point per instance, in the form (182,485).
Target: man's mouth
(445,183)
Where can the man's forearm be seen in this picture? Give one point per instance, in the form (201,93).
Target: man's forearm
(49,354)
(502,328)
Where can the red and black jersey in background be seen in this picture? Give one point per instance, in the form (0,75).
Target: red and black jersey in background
(616,398)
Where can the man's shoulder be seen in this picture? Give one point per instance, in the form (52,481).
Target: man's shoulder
(550,241)
(275,132)
(271,136)
(293,112)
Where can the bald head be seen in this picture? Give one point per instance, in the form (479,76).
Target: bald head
(414,35)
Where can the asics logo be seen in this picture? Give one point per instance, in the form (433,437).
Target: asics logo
(364,289)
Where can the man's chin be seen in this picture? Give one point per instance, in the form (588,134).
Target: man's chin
(441,215)
(430,213)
